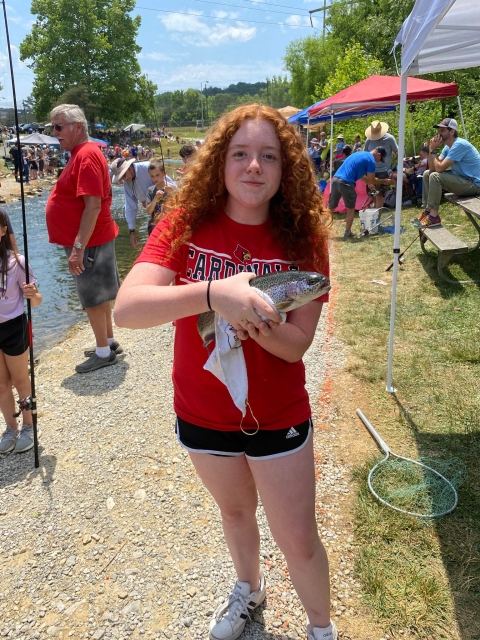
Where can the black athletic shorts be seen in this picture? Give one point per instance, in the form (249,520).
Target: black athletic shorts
(263,445)
(14,336)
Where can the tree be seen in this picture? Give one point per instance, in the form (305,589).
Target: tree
(88,46)
(79,95)
(372,23)
(353,66)
(277,93)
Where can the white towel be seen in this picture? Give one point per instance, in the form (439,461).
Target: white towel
(227,361)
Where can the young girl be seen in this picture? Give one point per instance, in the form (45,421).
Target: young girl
(248,205)
(14,342)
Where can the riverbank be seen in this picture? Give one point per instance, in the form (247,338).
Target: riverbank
(114,537)
(10,189)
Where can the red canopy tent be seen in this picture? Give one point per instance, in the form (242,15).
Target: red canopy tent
(382,91)
(378,91)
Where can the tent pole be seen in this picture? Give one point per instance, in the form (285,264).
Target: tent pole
(398,220)
(331,149)
(461,118)
(308,129)
(413,136)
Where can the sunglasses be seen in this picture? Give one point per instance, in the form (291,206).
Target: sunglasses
(59,127)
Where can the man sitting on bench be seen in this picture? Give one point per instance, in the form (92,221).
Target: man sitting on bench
(463,179)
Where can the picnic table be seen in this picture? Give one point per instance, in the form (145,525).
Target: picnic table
(446,243)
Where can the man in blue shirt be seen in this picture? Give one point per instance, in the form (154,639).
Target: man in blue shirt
(463,179)
(358,166)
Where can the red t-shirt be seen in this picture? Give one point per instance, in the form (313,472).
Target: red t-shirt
(86,174)
(276,388)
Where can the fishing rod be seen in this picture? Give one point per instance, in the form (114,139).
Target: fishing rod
(29,403)
(400,261)
(159,140)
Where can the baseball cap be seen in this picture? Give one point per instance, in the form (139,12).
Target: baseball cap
(448,122)
(382,151)
(314,140)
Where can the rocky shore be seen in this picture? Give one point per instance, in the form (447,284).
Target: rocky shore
(10,190)
(114,537)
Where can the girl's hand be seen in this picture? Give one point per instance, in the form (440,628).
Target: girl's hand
(264,329)
(29,290)
(235,300)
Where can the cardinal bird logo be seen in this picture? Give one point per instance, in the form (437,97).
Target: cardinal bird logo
(242,254)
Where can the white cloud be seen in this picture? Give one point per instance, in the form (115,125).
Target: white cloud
(197,32)
(226,14)
(301,21)
(154,55)
(13,15)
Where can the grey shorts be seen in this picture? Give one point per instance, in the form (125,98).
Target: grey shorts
(99,282)
(342,189)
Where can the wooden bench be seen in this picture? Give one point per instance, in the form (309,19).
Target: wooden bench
(471,207)
(446,243)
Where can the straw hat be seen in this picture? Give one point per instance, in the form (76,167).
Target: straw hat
(376,130)
(340,136)
(119,167)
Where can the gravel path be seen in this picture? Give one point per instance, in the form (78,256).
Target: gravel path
(114,537)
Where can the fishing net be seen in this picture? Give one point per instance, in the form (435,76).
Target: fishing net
(425,488)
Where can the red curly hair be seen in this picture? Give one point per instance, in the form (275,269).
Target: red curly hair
(299,221)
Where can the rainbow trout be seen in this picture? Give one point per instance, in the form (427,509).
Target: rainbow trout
(287,289)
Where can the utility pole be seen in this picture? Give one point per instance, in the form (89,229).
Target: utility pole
(201,98)
(206,102)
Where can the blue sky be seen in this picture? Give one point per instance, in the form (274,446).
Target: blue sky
(187,42)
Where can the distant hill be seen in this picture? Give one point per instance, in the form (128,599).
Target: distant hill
(239,89)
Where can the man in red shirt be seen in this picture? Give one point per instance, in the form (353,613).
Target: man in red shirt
(79,218)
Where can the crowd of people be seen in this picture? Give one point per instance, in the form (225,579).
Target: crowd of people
(38,161)
(456,168)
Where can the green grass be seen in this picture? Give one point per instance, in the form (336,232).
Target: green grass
(418,577)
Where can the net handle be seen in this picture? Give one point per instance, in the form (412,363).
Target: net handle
(381,443)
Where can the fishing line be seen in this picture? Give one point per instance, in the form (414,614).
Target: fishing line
(32,400)
(160,142)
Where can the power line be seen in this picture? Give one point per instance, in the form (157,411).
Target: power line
(237,6)
(200,15)
(272,4)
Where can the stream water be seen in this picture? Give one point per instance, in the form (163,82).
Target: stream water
(60,309)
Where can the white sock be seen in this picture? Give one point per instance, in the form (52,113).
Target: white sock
(111,341)
(325,633)
(103,352)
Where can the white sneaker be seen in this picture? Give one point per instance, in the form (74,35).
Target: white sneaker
(9,439)
(230,618)
(25,439)
(329,633)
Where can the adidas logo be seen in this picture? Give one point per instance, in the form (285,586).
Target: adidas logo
(292,433)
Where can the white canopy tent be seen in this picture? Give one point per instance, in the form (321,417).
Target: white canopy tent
(438,35)
(133,127)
